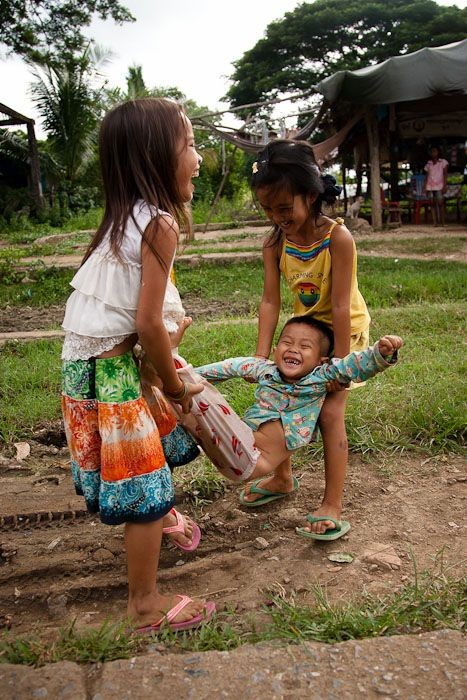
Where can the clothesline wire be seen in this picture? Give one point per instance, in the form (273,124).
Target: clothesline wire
(263,103)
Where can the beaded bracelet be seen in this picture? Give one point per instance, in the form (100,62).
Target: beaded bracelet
(179,395)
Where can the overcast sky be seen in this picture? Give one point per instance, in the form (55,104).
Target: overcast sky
(189,44)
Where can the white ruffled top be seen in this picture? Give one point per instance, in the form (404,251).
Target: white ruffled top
(101,311)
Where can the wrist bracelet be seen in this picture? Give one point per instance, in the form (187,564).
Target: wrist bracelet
(261,357)
(179,395)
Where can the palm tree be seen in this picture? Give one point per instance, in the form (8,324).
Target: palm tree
(69,101)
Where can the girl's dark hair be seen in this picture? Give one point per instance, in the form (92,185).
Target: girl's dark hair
(138,142)
(327,336)
(285,164)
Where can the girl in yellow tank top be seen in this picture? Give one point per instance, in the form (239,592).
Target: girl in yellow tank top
(308,272)
(317,258)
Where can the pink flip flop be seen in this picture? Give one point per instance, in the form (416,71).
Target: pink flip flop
(196,621)
(180,527)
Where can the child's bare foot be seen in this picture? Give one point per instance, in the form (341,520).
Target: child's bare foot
(183,538)
(150,608)
(274,483)
(325,509)
(177,336)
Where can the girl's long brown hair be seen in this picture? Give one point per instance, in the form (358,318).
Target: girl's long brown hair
(138,142)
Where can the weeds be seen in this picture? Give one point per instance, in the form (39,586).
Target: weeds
(430,602)
(108,642)
(201,482)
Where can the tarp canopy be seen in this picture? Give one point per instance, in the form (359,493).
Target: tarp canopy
(415,76)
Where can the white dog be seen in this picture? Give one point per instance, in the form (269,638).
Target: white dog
(353,209)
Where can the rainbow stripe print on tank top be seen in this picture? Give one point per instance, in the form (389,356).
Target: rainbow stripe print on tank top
(309,252)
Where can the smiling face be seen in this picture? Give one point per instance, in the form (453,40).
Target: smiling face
(189,161)
(298,351)
(290,212)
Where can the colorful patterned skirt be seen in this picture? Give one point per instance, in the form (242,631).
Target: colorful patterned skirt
(178,445)
(117,459)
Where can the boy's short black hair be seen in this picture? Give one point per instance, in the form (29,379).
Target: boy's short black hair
(327,336)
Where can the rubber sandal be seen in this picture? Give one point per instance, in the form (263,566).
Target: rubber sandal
(341,527)
(267,496)
(196,621)
(180,527)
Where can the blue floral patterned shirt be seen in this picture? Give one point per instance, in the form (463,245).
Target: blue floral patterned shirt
(296,404)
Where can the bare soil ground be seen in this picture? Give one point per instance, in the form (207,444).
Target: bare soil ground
(58,563)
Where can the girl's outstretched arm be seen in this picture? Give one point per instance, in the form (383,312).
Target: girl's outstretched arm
(342,256)
(163,237)
(270,305)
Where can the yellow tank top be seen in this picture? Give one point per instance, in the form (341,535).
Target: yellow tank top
(307,270)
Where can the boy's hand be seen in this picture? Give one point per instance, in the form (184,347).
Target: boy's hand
(388,344)
(177,336)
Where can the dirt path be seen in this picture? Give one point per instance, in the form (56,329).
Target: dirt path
(254,236)
(64,564)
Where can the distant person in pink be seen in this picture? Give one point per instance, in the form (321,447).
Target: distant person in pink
(436,184)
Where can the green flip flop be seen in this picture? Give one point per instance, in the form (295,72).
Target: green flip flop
(266,495)
(340,528)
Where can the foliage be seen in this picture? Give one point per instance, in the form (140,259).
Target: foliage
(70,107)
(41,29)
(319,38)
(216,154)
(22,229)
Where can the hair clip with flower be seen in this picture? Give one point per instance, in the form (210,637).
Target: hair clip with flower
(254,167)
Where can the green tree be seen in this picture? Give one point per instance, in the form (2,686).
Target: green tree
(136,87)
(325,36)
(39,29)
(69,102)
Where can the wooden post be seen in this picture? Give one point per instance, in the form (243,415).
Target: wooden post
(393,155)
(344,183)
(375,176)
(35,169)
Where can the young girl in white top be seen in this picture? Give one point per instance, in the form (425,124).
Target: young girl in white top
(148,158)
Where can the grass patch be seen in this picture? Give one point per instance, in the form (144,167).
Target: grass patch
(74,245)
(219,249)
(416,246)
(38,286)
(383,283)
(29,387)
(430,603)
(417,405)
(200,481)
(422,606)
(26,231)
(92,645)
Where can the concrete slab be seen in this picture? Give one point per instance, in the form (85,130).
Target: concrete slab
(429,666)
